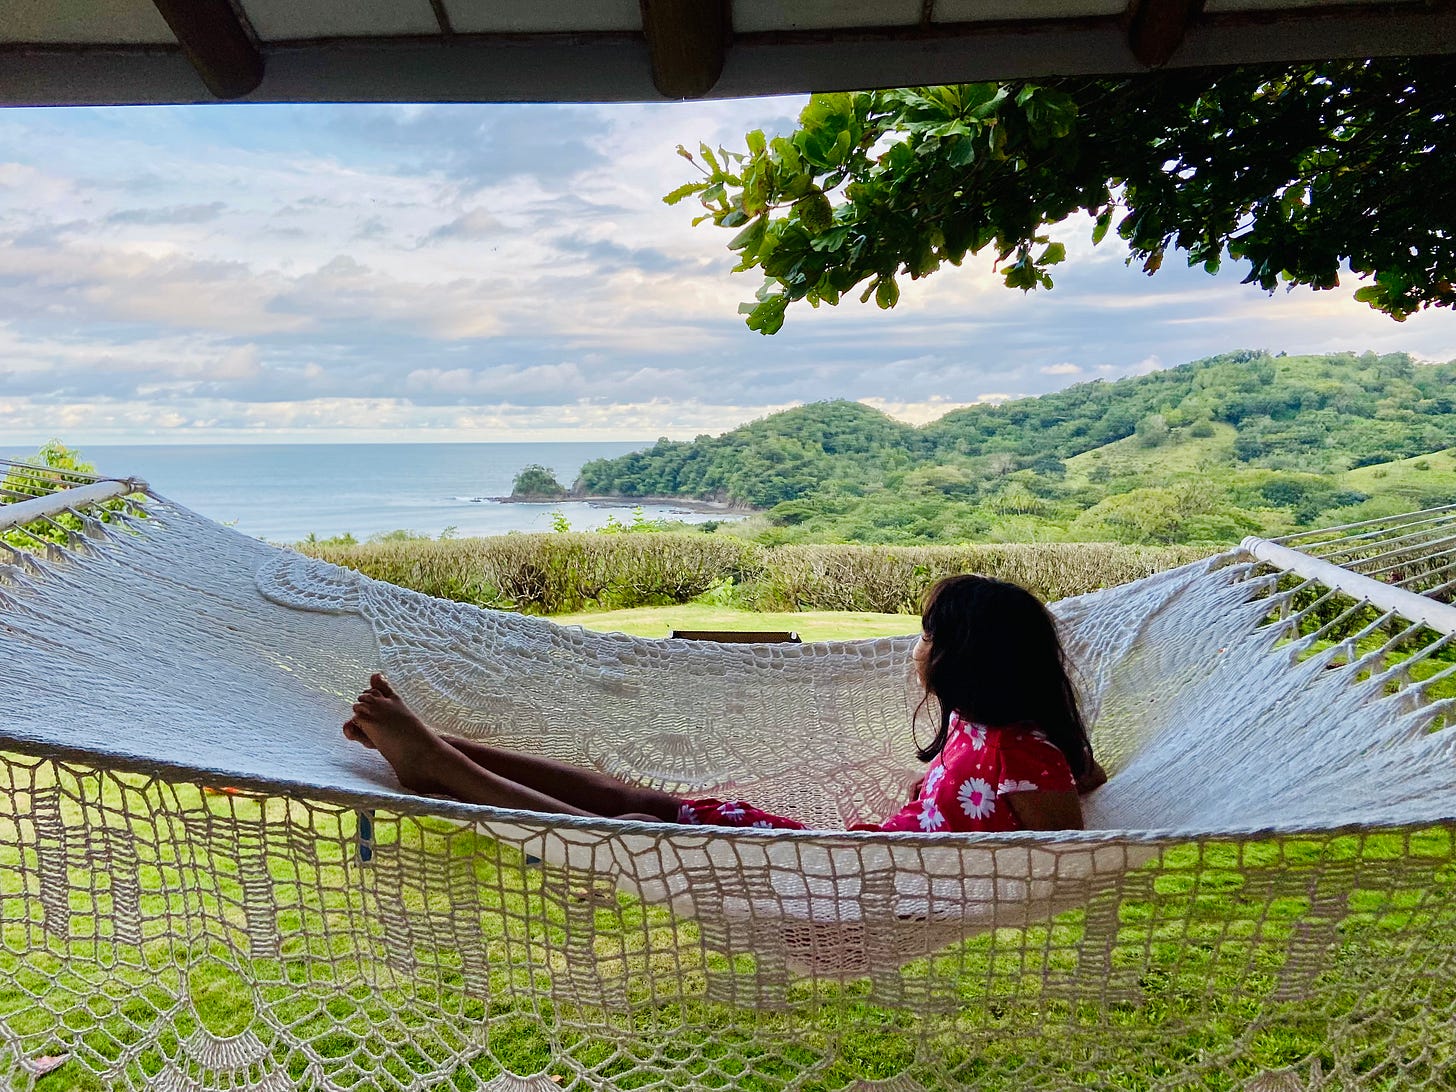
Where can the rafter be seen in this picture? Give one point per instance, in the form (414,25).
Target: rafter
(214,40)
(688,40)
(1156,28)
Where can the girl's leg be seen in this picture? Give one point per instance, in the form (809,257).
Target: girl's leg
(580,790)
(596,792)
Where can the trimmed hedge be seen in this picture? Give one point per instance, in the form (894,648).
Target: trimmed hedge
(560,573)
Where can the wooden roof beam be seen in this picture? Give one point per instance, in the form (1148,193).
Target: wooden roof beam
(215,41)
(688,40)
(1156,28)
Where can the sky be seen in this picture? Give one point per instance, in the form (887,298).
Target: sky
(350,273)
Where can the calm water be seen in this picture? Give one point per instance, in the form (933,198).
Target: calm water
(283,492)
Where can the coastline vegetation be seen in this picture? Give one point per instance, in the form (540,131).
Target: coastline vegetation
(535,481)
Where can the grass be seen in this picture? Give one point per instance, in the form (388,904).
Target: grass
(1415,482)
(810,625)
(1131,458)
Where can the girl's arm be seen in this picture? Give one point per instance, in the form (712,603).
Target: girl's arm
(1094,778)
(1046,810)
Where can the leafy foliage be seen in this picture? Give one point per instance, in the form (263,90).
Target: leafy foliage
(1296,171)
(777,459)
(536,480)
(57,458)
(1207,452)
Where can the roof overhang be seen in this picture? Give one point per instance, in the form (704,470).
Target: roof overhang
(76,52)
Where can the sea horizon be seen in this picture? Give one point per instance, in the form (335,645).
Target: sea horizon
(287,491)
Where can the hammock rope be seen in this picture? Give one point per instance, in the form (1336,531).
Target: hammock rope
(1266,891)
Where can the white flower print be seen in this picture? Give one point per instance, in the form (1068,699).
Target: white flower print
(687,814)
(731,811)
(1013,785)
(930,817)
(975,734)
(932,779)
(976,798)
(763,824)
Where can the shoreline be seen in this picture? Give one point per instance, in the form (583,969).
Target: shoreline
(687,504)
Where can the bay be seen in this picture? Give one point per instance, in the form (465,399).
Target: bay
(285,492)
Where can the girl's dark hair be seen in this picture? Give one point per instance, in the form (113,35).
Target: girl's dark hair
(995,658)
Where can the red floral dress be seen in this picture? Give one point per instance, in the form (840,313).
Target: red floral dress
(964,789)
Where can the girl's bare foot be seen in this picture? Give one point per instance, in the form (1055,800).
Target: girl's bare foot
(419,757)
(355,734)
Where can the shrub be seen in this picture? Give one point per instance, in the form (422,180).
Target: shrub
(54,466)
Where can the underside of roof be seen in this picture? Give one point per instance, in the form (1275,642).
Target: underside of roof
(73,52)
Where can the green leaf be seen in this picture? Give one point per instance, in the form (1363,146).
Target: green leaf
(768,317)
(1054,253)
(831,241)
(750,236)
(683,191)
(887,293)
(961,152)
(815,212)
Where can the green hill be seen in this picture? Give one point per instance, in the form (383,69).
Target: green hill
(775,459)
(1205,453)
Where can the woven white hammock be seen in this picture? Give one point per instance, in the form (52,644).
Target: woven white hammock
(1266,891)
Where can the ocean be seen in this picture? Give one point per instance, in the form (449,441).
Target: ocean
(285,492)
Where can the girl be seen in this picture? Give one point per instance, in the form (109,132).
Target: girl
(1010,752)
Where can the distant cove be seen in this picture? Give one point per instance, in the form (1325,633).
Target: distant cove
(678,504)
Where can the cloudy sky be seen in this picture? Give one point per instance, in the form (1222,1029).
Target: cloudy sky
(357,273)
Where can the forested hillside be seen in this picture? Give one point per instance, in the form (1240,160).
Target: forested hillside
(1203,453)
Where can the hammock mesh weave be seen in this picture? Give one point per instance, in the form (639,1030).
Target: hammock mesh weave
(204,886)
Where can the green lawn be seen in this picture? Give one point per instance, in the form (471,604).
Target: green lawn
(810,625)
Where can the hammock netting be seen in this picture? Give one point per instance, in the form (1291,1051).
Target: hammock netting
(203,885)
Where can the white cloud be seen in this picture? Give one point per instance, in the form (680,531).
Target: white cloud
(915,413)
(24,423)
(264,278)
(468,226)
